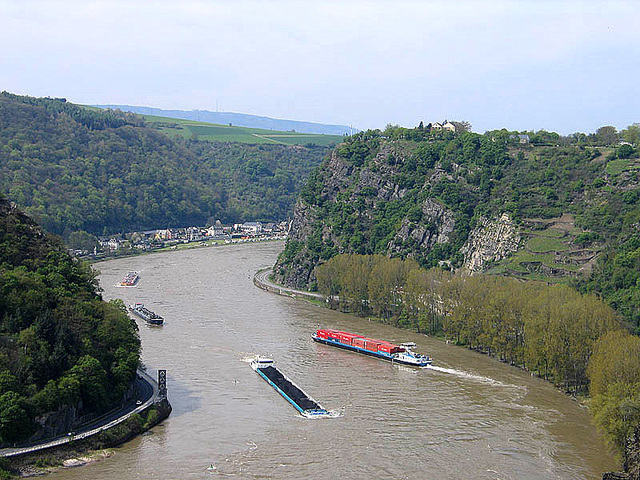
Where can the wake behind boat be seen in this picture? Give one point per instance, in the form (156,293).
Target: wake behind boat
(302,402)
(147,315)
(402,353)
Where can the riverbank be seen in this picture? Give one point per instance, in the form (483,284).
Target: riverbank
(87,442)
(632,458)
(178,247)
(261,280)
(87,450)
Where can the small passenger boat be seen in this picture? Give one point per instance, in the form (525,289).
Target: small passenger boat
(130,279)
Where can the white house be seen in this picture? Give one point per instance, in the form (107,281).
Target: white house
(449,126)
(215,230)
(253,228)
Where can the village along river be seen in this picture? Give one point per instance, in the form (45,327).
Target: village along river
(470,417)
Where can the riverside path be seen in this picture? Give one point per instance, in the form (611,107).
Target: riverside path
(261,280)
(148,394)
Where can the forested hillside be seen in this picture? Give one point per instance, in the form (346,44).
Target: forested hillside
(383,224)
(76,169)
(262,182)
(60,344)
(549,209)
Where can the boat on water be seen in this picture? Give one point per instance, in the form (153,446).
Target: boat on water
(402,353)
(302,402)
(130,279)
(147,315)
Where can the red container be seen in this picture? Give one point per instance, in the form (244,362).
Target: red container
(371,346)
(358,342)
(389,348)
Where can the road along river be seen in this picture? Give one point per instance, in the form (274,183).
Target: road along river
(468,417)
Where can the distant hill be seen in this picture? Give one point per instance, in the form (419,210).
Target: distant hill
(238,119)
(84,169)
(203,131)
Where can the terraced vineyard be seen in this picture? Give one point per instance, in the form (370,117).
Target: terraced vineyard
(551,250)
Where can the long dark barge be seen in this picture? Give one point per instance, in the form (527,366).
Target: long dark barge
(302,402)
(147,315)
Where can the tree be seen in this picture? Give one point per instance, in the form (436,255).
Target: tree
(607,135)
(81,240)
(631,134)
(624,151)
(617,412)
(14,422)
(92,378)
(616,358)
(463,126)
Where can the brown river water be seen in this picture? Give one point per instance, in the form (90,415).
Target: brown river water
(470,417)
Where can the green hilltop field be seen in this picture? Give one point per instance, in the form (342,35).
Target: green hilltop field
(228,133)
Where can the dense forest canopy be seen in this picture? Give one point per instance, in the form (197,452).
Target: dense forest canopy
(60,344)
(77,169)
(262,181)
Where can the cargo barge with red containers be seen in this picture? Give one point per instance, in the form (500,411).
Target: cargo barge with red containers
(302,402)
(402,353)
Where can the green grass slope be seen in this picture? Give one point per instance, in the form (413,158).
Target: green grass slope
(230,133)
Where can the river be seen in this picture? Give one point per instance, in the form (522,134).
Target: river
(470,417)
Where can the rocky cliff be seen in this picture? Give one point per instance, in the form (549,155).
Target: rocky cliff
(436,227)
(491,241)
(383,202)
(468,201)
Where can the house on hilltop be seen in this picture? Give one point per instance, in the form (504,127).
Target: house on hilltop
(449,126)
(446,125)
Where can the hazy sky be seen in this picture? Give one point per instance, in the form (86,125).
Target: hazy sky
(565,66)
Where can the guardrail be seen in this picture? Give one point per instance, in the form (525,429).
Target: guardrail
(12,452)
(260,280)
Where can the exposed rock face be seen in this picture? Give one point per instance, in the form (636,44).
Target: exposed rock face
(490,241)
(436,226)
(57,423)
(358,193)
(297,274)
